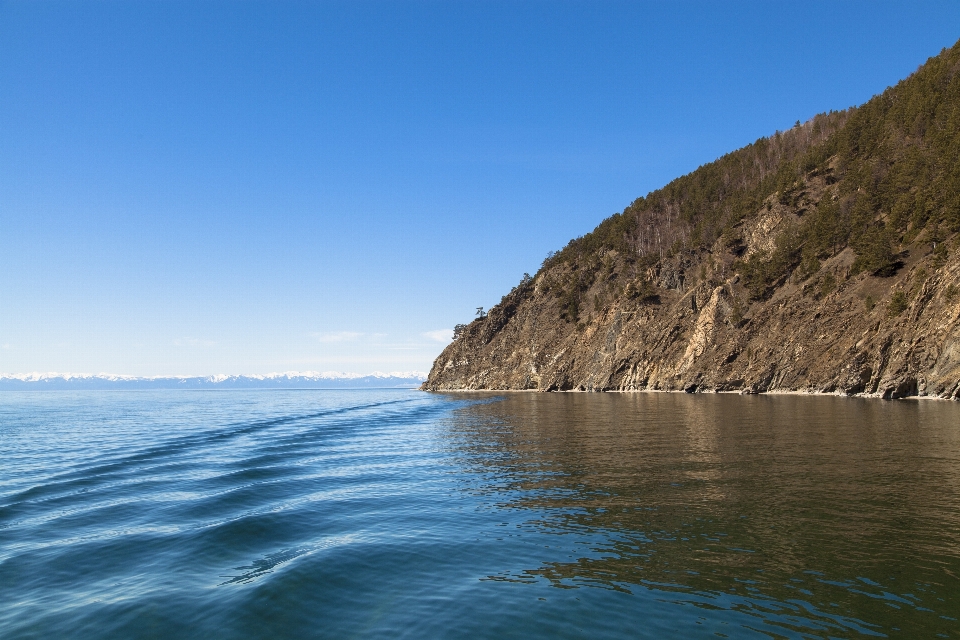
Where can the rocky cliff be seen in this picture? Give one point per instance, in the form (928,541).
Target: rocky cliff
(823,259)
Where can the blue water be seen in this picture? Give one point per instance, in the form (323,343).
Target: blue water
(369,514)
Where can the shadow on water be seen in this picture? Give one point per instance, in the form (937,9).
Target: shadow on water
(818,516)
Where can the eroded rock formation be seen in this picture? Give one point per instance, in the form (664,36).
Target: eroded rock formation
(705,337)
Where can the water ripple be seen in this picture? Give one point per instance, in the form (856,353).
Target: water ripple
(402,514)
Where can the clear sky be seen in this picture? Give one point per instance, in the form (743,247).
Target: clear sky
(202,187)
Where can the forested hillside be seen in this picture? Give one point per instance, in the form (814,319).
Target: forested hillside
(842,227)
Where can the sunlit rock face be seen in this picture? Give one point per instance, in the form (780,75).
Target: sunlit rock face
(791,342)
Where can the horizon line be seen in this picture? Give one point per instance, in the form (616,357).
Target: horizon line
(37,376)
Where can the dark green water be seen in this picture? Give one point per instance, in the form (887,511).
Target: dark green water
(338,514)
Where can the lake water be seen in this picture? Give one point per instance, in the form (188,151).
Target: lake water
(376,514)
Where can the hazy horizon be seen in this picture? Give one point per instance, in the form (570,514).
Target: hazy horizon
(36,375)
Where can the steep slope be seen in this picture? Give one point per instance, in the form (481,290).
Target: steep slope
(825,258)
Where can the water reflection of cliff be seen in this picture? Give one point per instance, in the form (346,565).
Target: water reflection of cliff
(828,506)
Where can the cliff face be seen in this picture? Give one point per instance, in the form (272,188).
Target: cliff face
(822,259)
(699,338)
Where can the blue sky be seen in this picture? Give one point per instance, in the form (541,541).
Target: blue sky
(203,187)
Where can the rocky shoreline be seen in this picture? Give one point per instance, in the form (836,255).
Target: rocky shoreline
(701,337)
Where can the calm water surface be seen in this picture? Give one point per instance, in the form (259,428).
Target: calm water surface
(359,514)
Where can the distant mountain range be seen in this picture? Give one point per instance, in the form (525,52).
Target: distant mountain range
(288,380)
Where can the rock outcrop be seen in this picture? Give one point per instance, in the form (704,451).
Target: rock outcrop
(848,340)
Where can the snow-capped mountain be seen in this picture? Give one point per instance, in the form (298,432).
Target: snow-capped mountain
(286,380)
